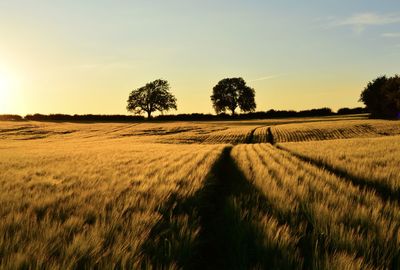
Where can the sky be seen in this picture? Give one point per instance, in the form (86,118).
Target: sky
(86,56)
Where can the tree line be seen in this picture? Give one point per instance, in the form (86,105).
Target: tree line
(381,98)
(271,114)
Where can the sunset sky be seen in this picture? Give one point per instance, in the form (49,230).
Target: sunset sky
(86,56)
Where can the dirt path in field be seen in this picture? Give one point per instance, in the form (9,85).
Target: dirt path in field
(250,137)
(270,136)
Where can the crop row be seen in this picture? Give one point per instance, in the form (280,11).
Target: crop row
(71,206)
(373,160)
(333,130)
(321,221)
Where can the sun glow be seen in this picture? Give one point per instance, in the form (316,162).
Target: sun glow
(6,88)
(4,85)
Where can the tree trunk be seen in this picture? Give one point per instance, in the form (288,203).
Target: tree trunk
(233,111)
(148,114)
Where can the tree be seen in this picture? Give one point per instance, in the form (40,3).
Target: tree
(231,93)
(154,96)
(382,97)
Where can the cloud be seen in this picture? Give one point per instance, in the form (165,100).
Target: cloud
(105,65)
(370,18)
(266,78)
(391,35)
(362,20)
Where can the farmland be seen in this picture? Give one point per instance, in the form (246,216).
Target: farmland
(336,218)
(314,131)
(375,163)
(300,193)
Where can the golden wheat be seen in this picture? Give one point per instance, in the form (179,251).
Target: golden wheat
(376,159)
(77,204)
(138,195)
(334,130)
(336,217)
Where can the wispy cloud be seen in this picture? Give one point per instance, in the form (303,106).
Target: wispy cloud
(391,35)
(370,18)
(105,65)
(360,21)
(266,78)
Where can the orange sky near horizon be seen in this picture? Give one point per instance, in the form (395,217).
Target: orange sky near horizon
(73,57)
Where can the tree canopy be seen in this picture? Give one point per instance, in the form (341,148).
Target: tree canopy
(154,96)
(231,93)
(382,97)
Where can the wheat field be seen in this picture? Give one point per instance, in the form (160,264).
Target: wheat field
(337,218)
(328,130)
(78,203)
(305,193)
(374,161)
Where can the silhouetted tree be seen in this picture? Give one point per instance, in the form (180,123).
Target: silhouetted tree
(382,97)
(231,93)
(154,96)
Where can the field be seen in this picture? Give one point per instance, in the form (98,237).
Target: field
(305,193)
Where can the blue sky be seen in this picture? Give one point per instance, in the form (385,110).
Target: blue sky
(85,57)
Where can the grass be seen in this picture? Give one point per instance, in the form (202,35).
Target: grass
(200,195)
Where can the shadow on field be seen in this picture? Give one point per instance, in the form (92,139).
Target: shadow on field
(172,240)
(231,237)
(216,228)
(250,136)
(379,187)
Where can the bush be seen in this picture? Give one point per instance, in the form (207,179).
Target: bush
(358,110)
(10,117)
